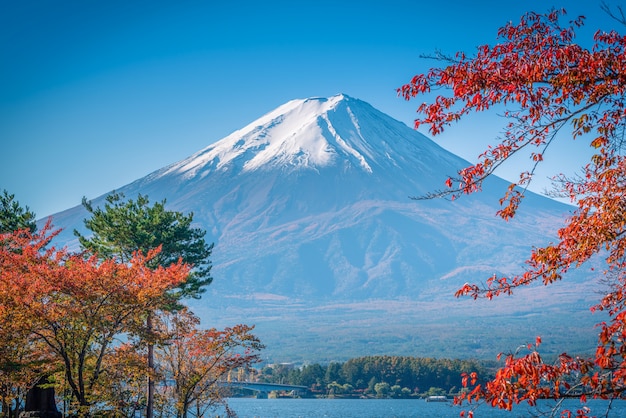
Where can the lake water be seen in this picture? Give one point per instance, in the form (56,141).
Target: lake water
(391,408)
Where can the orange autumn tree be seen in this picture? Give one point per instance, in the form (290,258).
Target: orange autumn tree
(21,363)
(194,361)
(548,85)
(123,376)
(75,307)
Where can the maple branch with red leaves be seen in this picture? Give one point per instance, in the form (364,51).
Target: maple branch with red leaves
(553,83)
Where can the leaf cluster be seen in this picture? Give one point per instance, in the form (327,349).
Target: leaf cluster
(194,361)
(14,216)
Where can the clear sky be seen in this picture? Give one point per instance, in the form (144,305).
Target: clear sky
(95,94)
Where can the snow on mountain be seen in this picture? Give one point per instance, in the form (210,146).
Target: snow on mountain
(287,136)
(309,210)
(307,133)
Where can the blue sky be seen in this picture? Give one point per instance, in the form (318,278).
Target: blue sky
(96,94)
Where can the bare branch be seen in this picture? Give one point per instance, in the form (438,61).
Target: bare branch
(618,16)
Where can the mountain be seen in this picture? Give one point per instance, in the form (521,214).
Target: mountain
(318,243)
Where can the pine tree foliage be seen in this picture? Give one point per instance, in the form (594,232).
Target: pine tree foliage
(13,216)
(123,227)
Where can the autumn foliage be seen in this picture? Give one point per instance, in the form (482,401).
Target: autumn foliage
(550,87)
(197,360)
(81,321)
(74,307)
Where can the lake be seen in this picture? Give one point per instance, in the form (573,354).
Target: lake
(390,408)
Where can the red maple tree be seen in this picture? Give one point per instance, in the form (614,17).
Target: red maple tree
(547,82)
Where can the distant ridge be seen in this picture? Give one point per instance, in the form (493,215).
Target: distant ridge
(317,242)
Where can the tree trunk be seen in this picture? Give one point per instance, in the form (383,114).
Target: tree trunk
(150,394)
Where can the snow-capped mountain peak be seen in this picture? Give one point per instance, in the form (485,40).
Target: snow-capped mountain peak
(303,133)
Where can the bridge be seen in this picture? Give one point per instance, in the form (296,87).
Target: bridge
(263,389)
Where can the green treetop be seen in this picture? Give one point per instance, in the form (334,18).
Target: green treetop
(124,227)
(13,216)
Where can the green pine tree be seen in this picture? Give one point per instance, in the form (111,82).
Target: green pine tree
(13,216)
(123,227)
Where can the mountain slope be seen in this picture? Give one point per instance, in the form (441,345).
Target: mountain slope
(309,210)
